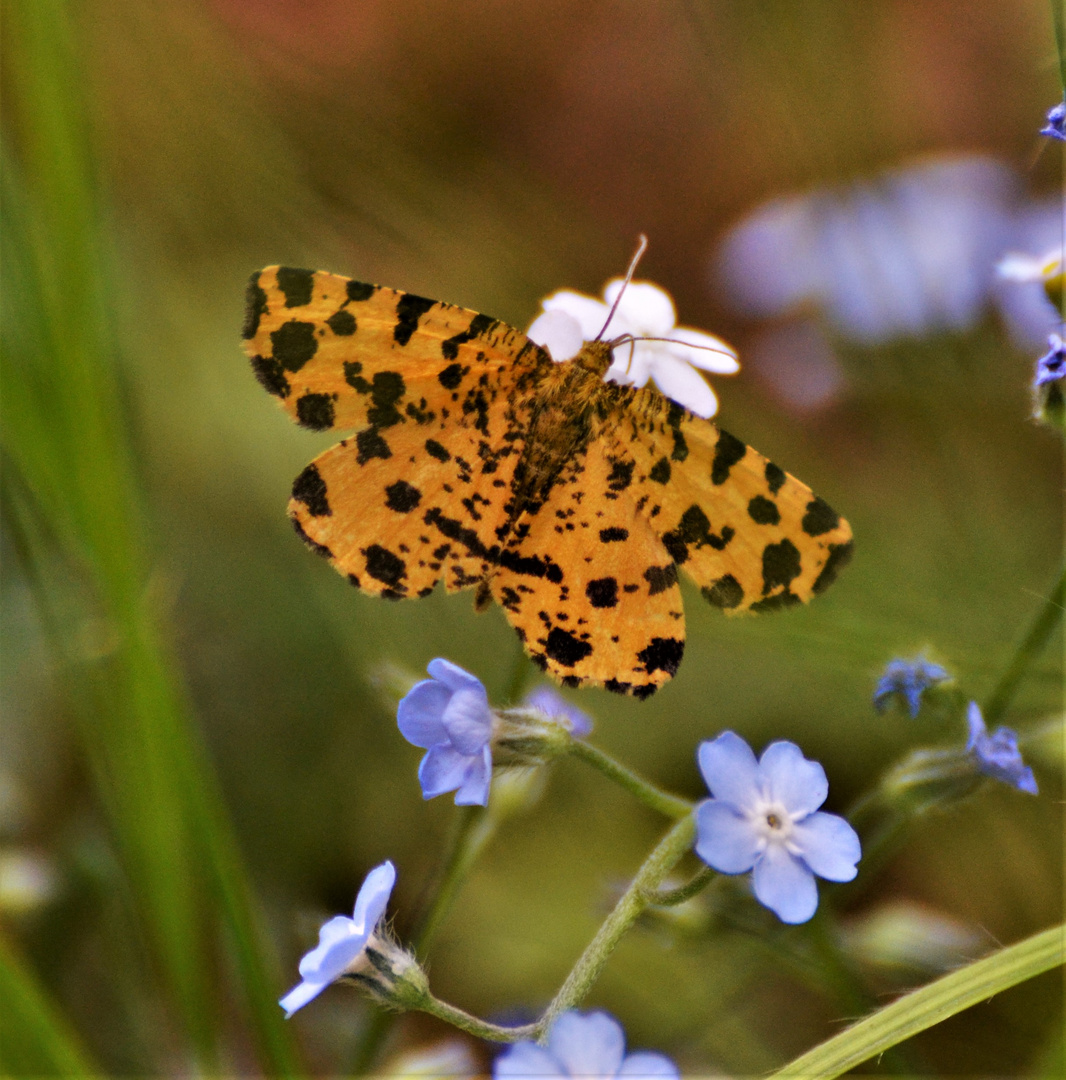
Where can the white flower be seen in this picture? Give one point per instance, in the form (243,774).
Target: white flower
(342,941)
(644,311)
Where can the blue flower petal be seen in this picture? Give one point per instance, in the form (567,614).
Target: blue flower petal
(300,995)
(442,769)
(725,840)
(468,721)
(785,886)
(420,713)
(373,897)
(339,943)
(453,676)
(589,1045)
(526,1059)
(647,1064)
(555,705)
(474,790)
(798,784)
(730,770)
(828,845)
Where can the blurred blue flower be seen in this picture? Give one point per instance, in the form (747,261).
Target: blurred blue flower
(449,715)
(1052,365)
(997,755)
(553,704)
(341,941)
(582,1045)
(908,679)
(764,817)
(1056,122)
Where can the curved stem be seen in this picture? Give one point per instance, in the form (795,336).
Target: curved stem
(632,903)
(649,794)
(473,1025)
(673,897)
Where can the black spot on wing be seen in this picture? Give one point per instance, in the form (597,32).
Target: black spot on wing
(763,511)
(451,376)
(726,592)
(694,529)
(370,444)
(621,475)
(780,565)
(775,477)
(314,545)
(293,344)
(820,518)
(388,387)
(384,566)
(776,602)
(613,534)
(727,452)
(660,471)
(660,578)
(296,285)
(315,411)
(662,654)
(839,557)
(255,307)
(310,489)
(566,649)
(409,309)
(359,291)
(402,496)
(602,593)
(271,376)
(434,449)
(479,324)
(342,323)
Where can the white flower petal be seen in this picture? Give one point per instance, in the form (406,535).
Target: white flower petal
(300,995)
(828,845)
(725,840)
(785,885)
(790,779)
(647,1064)
(373,897)
(631,365)
(468,720)
(730,770)
(702,350)
(442,769)
(646,307)
(589,1045)
(589,312)
(419,714)
(683,384)
(559,332)
(526,1059)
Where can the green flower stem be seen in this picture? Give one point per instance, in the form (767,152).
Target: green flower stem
(632,903)
(673,897)
(922,1009)
(649,794)
(1034,641)
(482,1029)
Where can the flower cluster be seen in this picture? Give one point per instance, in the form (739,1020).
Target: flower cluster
(1055,128)
(997,755)
(908,680)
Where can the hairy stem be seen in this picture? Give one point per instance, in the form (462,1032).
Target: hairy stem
(649,794)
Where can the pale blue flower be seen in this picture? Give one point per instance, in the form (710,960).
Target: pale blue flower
(582,1045)
(341,941)
(1056,122)
(1051,367)
(908,679)
(764,817)
(997,755)
(449,715)
(553,704)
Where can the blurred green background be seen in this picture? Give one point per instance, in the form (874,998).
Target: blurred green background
(164,628)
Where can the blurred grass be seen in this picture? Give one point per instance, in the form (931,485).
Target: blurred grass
(75,507)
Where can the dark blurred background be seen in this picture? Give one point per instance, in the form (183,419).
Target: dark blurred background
(488,154)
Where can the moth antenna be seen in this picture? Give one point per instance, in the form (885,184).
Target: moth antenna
(634,337)
(642,246)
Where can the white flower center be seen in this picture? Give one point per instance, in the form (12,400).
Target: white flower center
(772,823)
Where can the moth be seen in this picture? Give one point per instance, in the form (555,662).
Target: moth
(476,460)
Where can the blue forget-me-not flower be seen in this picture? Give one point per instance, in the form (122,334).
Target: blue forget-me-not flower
(449,715)
(342,941)
(1052,365)
(1056,122)
(764,817)
(908,679)
(553,704)
(582,1045)
(997,755)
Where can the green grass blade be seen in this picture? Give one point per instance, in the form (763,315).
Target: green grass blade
(930,1005)
(34,1038)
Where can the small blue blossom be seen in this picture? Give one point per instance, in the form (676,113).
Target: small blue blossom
(449,715)
(997,755)
(582,1045)
(341,941)
(556,706)
(909,679)
(764,817)
(1056,122)
(1052,365)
